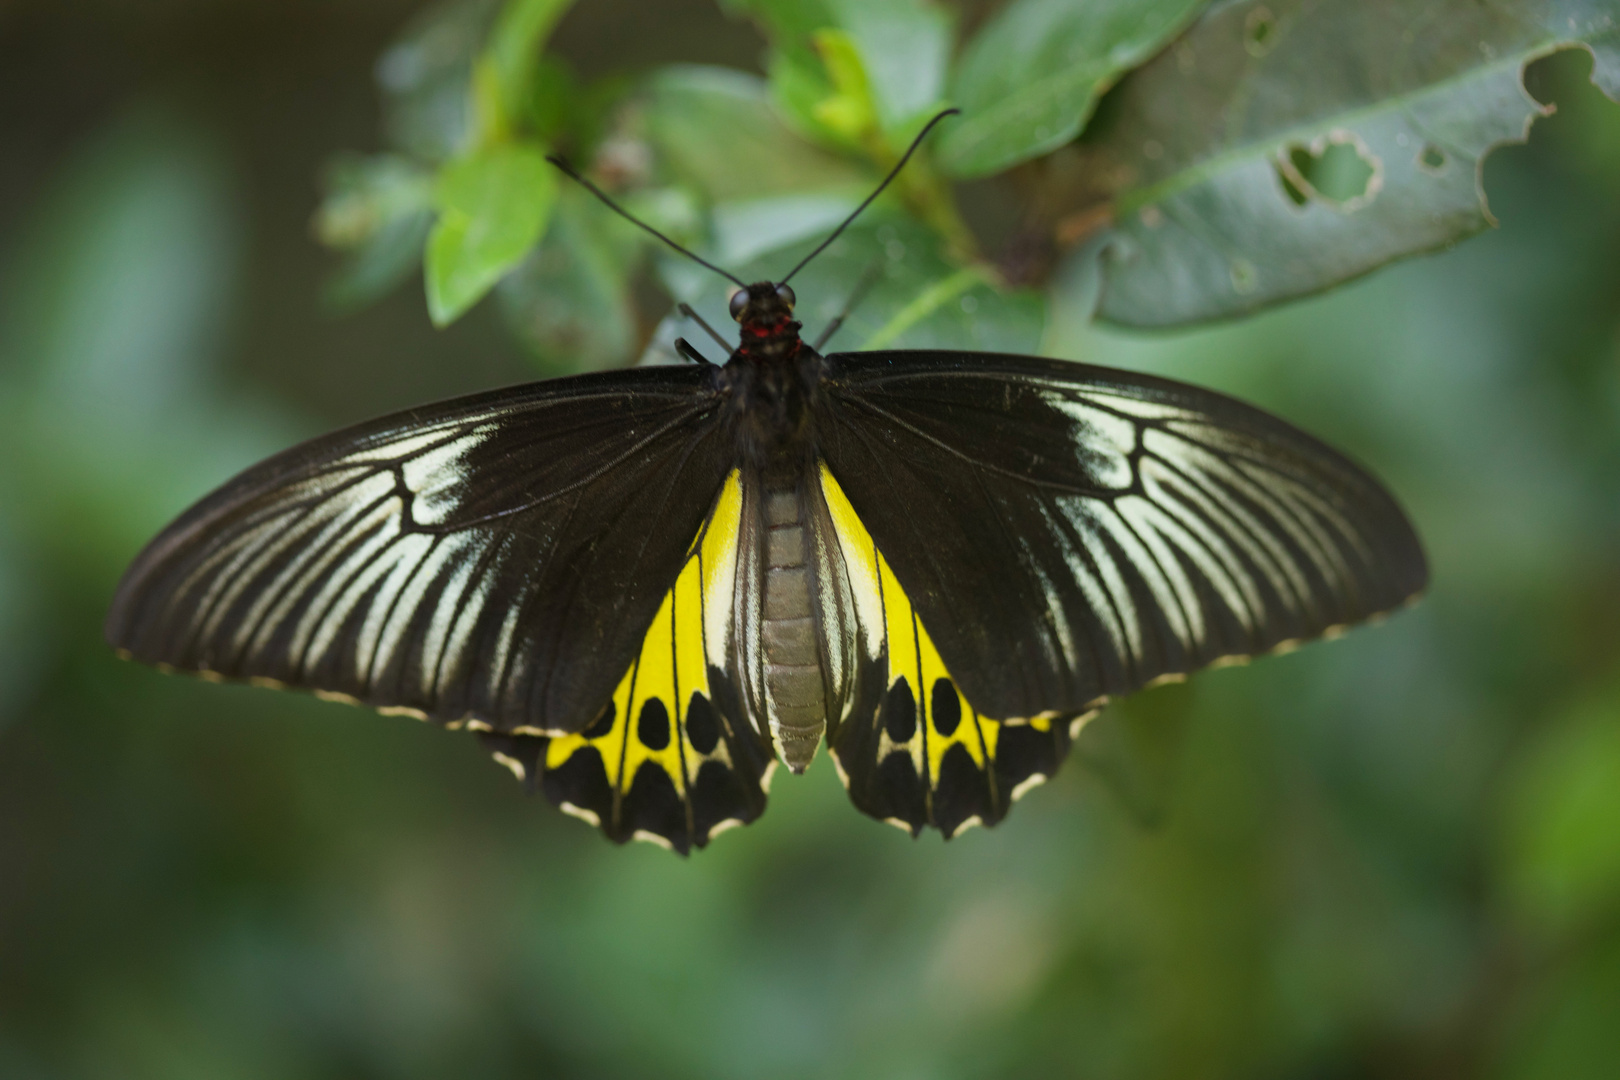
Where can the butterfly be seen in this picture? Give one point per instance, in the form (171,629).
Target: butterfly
(644,588)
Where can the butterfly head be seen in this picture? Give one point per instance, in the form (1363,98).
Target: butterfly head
(764,311)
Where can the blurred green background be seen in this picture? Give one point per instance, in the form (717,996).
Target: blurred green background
(1393,856)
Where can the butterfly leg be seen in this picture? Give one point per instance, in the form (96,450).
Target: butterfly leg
(862,287)
(686,310)
(686,350)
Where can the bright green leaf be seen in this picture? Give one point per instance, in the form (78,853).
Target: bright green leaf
(1029,80)
(1211,147)
(550,102)
(798,78)
(503,76)
(905,47)
(492,121)
(717,130)
(798,86)
(1563,832)
(516,42)
(899,49)
(849,110)
(493,206)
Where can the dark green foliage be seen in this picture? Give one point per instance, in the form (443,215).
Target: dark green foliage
(1392,856)
(1259,152)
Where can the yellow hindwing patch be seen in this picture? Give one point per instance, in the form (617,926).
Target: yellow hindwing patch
(926,756)
(660,763)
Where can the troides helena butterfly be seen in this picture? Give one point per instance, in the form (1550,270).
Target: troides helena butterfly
(642,588)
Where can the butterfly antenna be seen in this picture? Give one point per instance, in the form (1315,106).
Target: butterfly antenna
(562,163)
(894,172)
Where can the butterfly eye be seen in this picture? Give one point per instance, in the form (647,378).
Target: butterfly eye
(739,304)
(784,293)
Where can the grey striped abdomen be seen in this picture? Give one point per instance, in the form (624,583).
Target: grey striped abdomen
(794,687)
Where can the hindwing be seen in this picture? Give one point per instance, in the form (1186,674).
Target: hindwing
(664,759)
(911,748)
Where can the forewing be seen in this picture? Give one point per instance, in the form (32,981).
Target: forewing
(1068,532)
(494,560)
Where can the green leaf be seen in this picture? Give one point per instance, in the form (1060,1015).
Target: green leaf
(424,77)
(363,194)
(379,210)
(493,206)
(1210,149)
(516,42)
(570,301)
(901,49)
(798,78)
(913,296)
(787,20)
(382,264)
(551,102)
(746,231)
(905,47)
(504,75)
(1565,1027)
(1562,855)
(1028,82)
(462,74)
(717,130)
(848,109)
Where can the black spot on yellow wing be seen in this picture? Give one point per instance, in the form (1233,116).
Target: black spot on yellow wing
(945,707)
(924,756)
(653,727)
(899,716)
(702,725)
(661,761)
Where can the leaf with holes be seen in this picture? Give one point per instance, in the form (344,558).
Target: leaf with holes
(1279,148)
(1028,81)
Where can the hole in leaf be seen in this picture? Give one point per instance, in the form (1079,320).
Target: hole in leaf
(1295,195)
(1339,173)
(1259,31)
(1338,170)
(1432,159)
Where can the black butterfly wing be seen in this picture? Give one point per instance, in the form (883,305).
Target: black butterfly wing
(1068,532)
(911,748)
(494,559)
(669,757)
